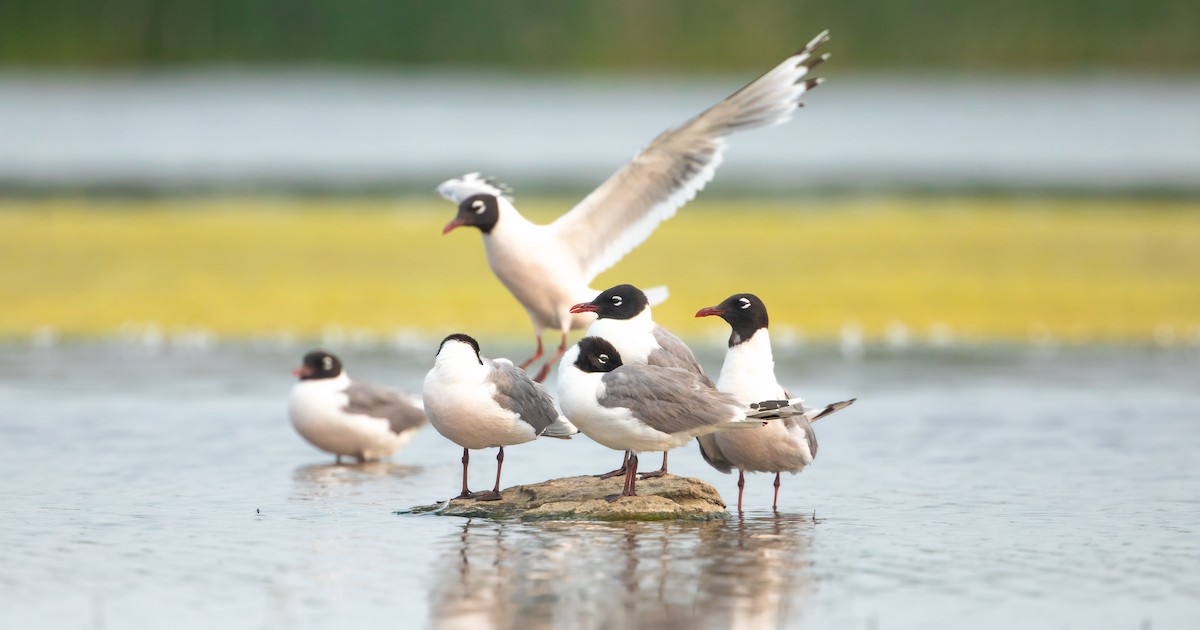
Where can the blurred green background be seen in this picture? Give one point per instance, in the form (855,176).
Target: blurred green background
(620,35)
(1016,172)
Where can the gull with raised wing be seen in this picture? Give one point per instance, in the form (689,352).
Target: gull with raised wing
(749,374)
(549,267)
(477,403)
(350,418)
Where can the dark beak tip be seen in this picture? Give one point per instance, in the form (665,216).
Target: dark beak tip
(584,307)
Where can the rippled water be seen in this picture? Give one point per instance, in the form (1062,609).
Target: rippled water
(986,487)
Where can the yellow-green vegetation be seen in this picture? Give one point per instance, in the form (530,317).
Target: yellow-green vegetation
(986,268)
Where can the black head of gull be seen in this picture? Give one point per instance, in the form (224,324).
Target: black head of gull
(597,355)
(318,364)
(745,313)
(481,211)
(623,301)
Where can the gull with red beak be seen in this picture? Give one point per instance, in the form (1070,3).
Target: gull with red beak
(623,319)
(549,267)
(749,374)
(351,418)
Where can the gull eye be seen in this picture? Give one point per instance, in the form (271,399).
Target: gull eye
(478,206)
(327,362)
(745,303)
(617,300)
(603,358)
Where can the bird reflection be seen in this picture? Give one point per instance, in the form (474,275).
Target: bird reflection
(316,480)
(748,573)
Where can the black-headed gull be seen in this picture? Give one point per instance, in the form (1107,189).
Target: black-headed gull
(548,267)
(749,374)
(477,403)
(640,408)
(346,417)
(623,318)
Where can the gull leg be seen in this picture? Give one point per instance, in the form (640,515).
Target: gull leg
(465,494)
(619,471)
(631,475)
(494,495)
(741,486)
(775,503)
(545,371)
(658,473)
(536,355)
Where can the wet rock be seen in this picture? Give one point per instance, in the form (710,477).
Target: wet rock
(584,498)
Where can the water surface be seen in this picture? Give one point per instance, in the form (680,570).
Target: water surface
(985,487)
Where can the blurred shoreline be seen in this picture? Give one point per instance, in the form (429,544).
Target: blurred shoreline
(272,131)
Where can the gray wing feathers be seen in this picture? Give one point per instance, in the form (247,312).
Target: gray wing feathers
(656,395)
(712,453)
(674,353)
(518,393)
(675,166)
(402,411)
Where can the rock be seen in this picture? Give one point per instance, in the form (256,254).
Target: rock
(583,498)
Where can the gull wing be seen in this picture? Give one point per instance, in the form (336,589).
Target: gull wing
(403,412)
(626,208)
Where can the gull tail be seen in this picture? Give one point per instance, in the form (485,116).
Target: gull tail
(561,429)
(775,409)
(816,414)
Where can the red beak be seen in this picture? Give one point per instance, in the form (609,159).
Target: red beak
(457,222)
(585,307)
(301,371)
(709,310)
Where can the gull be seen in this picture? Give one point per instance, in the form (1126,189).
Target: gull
(623,318)
(549,267)
(477,403)
(749,374)
(638,408)
(351,418)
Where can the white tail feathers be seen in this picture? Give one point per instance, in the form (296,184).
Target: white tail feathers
(561,429)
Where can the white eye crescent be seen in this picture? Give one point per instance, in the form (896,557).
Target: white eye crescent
(478,206)
(603,358)
(327,362)
(745,303)
(617,300)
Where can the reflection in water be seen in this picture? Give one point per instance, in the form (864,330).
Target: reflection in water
(740,574)
(324,480)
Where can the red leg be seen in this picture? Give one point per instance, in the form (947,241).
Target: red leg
(660,472)
(545,371)
(466,494)
(631,476)
(494,495)
(619,471)
(741,487)
(775,504)
(536,355)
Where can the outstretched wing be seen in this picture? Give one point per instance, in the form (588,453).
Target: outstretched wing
(626,208)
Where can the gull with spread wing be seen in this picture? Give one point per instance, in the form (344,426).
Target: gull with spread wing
(548,267)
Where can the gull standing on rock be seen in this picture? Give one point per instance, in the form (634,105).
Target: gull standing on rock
(352,418)
(477,403)
(639,408)
(624,320)
(749,374)
(548,267)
